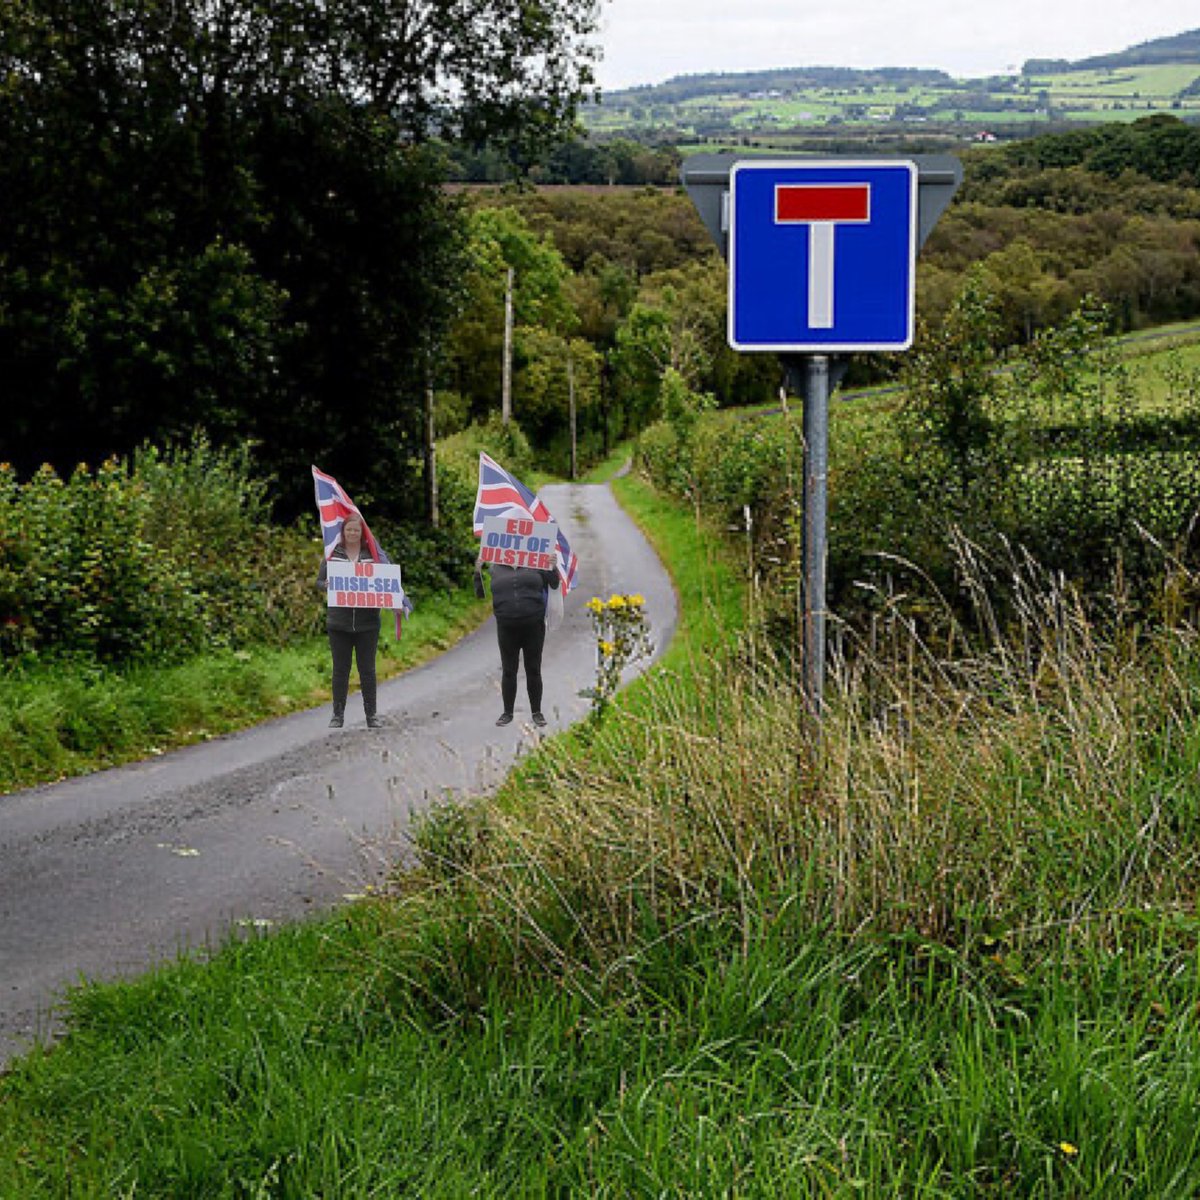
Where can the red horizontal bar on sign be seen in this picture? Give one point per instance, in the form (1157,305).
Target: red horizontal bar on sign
(823,202)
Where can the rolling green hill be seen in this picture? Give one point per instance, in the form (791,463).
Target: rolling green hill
(786,106)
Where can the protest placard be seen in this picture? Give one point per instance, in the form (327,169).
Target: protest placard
(518,542)
(363,584)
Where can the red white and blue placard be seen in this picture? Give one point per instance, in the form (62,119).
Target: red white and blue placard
(822,255)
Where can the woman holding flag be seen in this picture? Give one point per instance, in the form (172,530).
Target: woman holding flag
(519,593)
(353,631)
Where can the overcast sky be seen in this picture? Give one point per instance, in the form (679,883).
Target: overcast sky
(647,41)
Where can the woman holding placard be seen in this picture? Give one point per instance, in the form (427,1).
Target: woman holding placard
(519,596)
(353,631)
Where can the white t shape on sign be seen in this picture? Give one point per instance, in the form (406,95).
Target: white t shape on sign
(822,207)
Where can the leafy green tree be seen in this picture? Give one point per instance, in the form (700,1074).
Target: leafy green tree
(500,240)
(641,358)
(1028,296)
(231,213)
(954,453)
(554,367)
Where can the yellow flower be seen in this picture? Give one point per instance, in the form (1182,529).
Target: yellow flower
(615,601)
(595,604)
(1069,1150)
(607,648)
(637,600)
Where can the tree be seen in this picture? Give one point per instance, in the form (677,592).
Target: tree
(230,213)
(1028,297)
(500,239)
(554,369)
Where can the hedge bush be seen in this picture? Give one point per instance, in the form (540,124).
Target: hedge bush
(1047,450)
(152,557)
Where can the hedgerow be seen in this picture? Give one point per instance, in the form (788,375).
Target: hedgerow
(1048,450)
(152,557)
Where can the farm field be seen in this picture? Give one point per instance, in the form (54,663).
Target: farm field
(1030,101)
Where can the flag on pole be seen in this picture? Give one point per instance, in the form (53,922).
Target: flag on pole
(334,506)
(503,495)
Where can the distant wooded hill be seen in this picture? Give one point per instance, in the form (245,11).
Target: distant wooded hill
(1182,48)
(720,83)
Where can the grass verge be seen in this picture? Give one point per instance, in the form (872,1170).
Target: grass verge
(65,719)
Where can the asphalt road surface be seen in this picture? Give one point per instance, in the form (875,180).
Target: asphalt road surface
(105,875)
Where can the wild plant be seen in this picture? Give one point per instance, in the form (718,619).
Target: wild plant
(621,627)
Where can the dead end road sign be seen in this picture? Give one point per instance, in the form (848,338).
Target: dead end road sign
(822,256)
(705,178)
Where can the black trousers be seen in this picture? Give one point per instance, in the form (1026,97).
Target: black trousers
(517,638)
(360,645)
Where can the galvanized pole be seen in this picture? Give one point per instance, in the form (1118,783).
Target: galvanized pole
(816,480)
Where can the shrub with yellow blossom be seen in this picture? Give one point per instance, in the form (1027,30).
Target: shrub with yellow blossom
(622,631)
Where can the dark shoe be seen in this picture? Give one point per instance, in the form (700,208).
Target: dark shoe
(374,722)
(336,721)
(504,719)
(538,719)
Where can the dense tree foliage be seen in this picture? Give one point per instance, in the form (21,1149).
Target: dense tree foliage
(1112,212)
(1161,148)
(647,287)
(613,287)
(575,160)
(229,215)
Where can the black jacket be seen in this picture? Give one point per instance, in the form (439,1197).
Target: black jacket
(346,620)
(518,593)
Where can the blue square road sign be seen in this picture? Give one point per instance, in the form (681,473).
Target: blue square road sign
(822,255)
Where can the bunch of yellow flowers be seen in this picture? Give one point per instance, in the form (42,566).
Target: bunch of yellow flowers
(622,631)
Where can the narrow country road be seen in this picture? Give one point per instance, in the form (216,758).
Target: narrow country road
(105,875)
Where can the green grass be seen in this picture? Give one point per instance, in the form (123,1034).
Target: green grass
(62,719)
(606,471)
(1163,81)
(806,1069)
(953,953)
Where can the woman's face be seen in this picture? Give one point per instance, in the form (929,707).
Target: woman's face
(352,530)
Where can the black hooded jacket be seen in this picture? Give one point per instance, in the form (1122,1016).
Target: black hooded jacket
(518,593)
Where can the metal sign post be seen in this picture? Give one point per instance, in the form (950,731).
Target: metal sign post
(816,480)
(822,261)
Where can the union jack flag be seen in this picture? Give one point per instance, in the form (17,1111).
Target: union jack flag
(334,507)
(503,495)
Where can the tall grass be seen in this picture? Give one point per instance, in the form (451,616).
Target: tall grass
(1043,784)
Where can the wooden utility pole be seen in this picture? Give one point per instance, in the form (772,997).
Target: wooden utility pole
(431,486)
(571,405)
(506,387)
